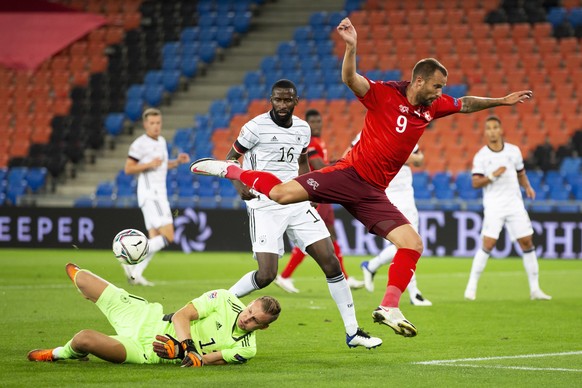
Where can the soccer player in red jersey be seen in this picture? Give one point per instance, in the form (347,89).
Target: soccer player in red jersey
(317,156)
(398,113)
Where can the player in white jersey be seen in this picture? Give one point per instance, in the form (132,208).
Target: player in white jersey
(277,142)
(498,169)
(401,194)
(148,157)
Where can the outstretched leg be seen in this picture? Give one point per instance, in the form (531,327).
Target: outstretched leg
(323,253)
(88,284)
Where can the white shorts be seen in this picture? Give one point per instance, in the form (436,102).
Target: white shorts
(405,203)
(156,213)
(516,222)
(301,221)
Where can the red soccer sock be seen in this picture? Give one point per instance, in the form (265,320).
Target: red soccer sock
(338,253)
(296,258)
(261,181)
(399,275)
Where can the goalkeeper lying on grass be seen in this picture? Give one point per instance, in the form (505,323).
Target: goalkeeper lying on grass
(213,329)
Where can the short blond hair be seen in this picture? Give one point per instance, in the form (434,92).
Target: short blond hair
(150,112)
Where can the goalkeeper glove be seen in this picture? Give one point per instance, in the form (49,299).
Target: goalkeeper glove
(168,347)
(191,357)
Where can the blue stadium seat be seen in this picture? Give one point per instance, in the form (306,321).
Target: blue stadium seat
(302,34)
(182,138)
(190,66)
(571,165)
(474,206)
(450,206)
(171,49)
(557,15)
(154,95)
(392,75)
(321,33)
(272,77)
(441,180)
(314,92)
(577,191)
(133,109)
(225,36)
(114,123)
(468,193)
(308,64)
(253,78)
(171,80)
(337,92)
(535,177)
(208,34)
(288,63)
(456,91)
(208,52)
(124,179)
(221,121)
(444,193)
(3,173)
(225,18)
(242,23)
(313,77)
(186,191)
(239,107)
(135,91)
(423,192)
(420,178)
(190,34)
(209,20)
(83,202)
(153,77)
(269,64)
(541,207)
(286,48)
(190,50)
(206,191)
(105,189)
(16,175)
(171,63)
(324,48)
(568,208)
(318,19)
(218,108)
(559,193)
(335,18)
(126,190)
(257,92)
(332,77)
(575,17)
(235,93)
(104,202)
(36,178)
(553,178)
(15,191)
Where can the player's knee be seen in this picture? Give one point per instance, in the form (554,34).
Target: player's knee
(526,244)
(265,277)
(82,341)
(280,195)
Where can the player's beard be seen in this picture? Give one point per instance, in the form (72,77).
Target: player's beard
(282,121)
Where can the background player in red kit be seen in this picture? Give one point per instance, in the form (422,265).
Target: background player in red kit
(398,113)
(317,155)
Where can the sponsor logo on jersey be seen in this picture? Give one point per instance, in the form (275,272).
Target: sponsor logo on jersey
(212,295)
(313,183)
(403,109)
(274,138)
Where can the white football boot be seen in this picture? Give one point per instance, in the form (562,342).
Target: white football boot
(393,318)
(213,167)
(286,284)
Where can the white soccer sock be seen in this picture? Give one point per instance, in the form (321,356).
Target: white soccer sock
(530,263)
(156,244)
(383,258)
(66,352)
(245,285)
(412,288)
(342,295)
(479,263)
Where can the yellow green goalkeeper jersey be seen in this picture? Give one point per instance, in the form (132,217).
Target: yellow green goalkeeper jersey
(216,328)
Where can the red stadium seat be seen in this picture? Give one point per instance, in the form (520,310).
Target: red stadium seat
(475,16)
(542,30)
(521,31)
(480,31)
(435,17)
(501,30)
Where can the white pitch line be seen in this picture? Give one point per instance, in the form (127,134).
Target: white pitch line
(512,367)
(433,362)
(456,363)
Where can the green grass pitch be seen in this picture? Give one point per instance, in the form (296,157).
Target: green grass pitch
(501,339)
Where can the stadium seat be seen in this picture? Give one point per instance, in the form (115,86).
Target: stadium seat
(104,189)
(83,202)
(36,178)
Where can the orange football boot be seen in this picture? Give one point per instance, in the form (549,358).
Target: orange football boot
(72,270)
(41,355)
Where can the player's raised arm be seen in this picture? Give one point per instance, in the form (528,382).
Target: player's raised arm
(475,104)
(358,84)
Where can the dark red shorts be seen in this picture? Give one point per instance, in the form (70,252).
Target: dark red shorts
(366,203)
(325,211)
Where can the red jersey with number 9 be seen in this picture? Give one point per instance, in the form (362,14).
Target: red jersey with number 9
(392,128)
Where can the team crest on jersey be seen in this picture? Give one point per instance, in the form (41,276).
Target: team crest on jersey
(427,116)
(212,295)
(403,109)
(313,183)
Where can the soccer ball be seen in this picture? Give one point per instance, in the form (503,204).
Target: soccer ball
(130,246)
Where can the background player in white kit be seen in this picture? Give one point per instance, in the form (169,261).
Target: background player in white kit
(498,169)
(277,142)
(148,157)
(401,193)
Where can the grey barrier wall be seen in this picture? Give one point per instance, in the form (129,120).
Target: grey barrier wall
(444,233)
